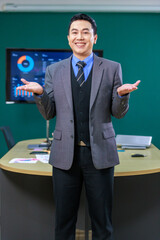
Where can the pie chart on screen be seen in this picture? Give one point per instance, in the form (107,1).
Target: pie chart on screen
(25,63)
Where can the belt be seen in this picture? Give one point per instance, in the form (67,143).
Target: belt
(82,144)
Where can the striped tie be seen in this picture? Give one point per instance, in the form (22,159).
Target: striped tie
(80,75)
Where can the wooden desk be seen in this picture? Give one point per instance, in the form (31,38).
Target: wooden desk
(20,150)
(27,204)
(128,165)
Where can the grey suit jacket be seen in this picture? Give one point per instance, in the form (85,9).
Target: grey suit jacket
(104,102)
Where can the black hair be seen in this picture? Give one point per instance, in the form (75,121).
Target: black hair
(82,16)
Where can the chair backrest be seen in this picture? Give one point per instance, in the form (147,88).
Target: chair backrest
(8,136)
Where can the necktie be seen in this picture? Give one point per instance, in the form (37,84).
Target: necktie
(80,75)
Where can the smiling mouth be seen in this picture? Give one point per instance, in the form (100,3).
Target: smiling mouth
(80,44)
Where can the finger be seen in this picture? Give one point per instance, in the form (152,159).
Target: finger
(24,81)
(21,87)
(127,90)
(137,83)
(130,88)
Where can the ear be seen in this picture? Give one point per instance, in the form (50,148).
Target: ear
(95,38)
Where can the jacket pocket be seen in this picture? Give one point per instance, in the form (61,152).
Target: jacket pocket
(108,133)
(57,135)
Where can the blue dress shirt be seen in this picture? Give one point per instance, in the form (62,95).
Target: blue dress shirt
(86,69)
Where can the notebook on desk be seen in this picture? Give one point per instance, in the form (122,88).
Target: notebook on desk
(133,142)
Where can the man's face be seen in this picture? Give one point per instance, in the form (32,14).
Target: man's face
(81,38)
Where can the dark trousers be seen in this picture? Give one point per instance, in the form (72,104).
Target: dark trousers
(99,192)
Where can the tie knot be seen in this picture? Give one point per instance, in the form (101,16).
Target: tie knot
(81,64)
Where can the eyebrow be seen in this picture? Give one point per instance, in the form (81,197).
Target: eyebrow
(75,29)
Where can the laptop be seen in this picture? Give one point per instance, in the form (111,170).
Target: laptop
(133,142)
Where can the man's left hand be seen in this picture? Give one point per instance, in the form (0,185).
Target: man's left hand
(127,88)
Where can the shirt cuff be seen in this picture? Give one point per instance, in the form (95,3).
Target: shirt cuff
(122,95)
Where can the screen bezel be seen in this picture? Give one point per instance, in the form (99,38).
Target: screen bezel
(8,67)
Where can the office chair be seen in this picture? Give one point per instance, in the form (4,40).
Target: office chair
(8,136)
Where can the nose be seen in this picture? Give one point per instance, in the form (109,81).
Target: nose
(80,35)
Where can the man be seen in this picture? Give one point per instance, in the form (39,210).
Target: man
(83,92)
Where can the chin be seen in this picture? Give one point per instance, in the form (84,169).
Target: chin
(81,52)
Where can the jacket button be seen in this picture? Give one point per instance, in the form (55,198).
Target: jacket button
(71,136)
(71,121)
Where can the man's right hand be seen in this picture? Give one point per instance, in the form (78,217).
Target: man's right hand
(31,87)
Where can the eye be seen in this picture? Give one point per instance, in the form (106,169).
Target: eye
(74,33)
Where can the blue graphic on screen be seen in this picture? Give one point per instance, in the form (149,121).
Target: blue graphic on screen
(30,65)
(25,63)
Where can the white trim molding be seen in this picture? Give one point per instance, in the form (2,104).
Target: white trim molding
(102,7)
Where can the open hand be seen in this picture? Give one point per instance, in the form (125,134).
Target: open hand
(127,88)
(31,87)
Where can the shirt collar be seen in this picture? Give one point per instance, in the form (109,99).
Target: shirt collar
(87,60)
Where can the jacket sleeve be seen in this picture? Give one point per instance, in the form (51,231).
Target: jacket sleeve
(45,102)
(120,105)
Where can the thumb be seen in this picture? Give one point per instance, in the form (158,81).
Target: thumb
(24,81)
(137,83)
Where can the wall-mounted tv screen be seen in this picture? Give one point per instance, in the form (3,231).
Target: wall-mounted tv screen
(30,64)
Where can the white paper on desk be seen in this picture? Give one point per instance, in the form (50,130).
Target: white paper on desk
(23,160)
(43,157)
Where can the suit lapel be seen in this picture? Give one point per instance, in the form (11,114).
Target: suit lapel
(66,78)
(96,78)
